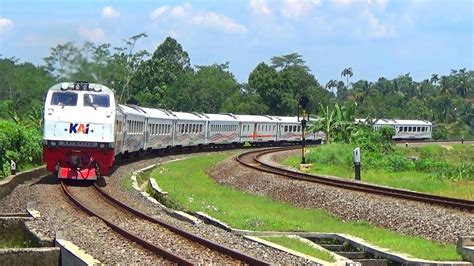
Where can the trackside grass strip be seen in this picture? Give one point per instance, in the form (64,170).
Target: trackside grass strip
(190,188)
(409,179)
(300,246)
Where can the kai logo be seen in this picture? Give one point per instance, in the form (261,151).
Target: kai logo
(79,128)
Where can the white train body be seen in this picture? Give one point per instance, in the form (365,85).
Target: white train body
(84,130)
(405,129)
(79,126)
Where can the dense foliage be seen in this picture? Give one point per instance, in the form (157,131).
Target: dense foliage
(428,159)
(19,143)
(166,78)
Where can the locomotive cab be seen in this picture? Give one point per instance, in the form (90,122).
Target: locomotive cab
(78,141)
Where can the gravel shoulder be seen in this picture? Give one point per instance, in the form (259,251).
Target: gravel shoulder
(404,217)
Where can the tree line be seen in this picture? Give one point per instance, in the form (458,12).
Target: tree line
(166,78)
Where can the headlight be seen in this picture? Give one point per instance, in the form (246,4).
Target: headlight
(102,145)
(53,143)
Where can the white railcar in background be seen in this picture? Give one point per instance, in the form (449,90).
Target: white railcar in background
(257,128)
(404,129)
(222,129)
(190,129)
(159,128)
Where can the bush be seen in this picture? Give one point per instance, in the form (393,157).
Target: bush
(19,143)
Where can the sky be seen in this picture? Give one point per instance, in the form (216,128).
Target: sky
(374,37)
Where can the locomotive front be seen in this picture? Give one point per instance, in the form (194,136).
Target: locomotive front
(78,140)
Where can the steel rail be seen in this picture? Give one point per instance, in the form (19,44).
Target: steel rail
(150,246)
(205,242)
(352,185)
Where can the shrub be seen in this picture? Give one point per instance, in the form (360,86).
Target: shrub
(19,143)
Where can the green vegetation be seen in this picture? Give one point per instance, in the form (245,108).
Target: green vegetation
(14,237)
(433,169)
(191,189)
(302,247)
(20,143)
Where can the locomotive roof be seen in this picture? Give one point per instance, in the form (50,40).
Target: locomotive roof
(398,122)
(94,87)
(222,117)
(256,118)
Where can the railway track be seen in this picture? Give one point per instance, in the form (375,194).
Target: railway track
(253,160)
(134,225)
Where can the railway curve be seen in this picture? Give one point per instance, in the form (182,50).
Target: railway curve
(252,159)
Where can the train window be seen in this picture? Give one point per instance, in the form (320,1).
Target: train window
(299,128)
(64,98)
(96,100)
(294,128)
(286,128)
(409,129)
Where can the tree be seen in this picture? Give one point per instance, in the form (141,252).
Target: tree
(284,61)
(463,86)
(434,79)
(205,91)
(127,66)
(347,72)
(331,84)
(167,65)
(268,85)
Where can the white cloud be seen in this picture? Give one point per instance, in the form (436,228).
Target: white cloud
(346,3)
(159,12)
(376,27)
(294,9)
(185,14)
(217,21)
(5,24)
(260,7)
(93,35)
(110,12)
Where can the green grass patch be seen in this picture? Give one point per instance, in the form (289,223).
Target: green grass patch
(190,188)
(302,247)
(127,183)
(15,237)
(402,173)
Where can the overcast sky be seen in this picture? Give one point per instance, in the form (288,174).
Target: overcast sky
(374,37)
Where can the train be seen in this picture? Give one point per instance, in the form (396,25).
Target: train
(85,131)
(404,129)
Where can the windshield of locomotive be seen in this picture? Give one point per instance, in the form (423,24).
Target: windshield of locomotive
(64,98)
(96,100)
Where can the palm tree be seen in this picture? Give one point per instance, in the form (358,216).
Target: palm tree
(347,72)
(463,87)
(434,78)
(445,86)
(331,84)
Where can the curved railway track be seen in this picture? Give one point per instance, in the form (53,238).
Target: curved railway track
(252,159)
(108,209)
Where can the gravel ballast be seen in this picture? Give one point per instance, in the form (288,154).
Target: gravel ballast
(404,217)
(96,239)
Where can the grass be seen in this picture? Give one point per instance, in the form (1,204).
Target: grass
(411,180)
(300,246)
(190,187)
(15,238)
